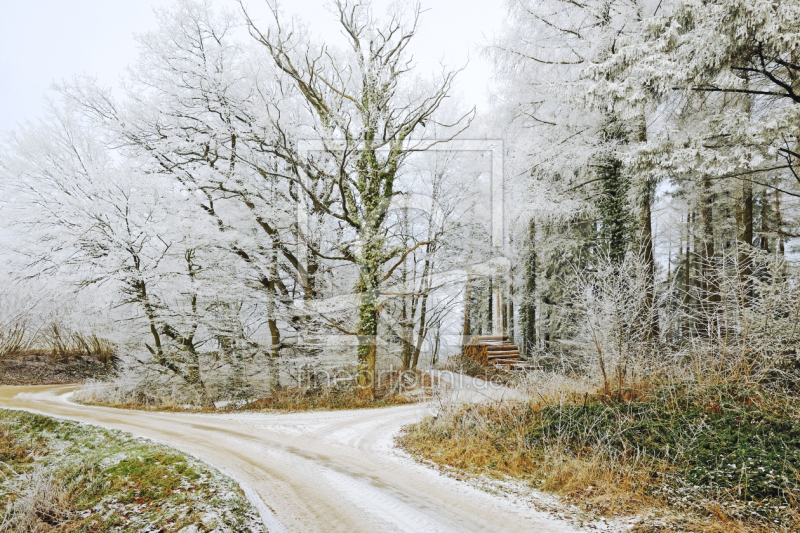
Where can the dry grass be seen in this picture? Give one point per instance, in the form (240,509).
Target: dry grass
(35,499)
(568,444)
(42,500)
(13,451)
(718,523)
(397,388)
(61,343)
(491,441)
(296,399)
(54,341)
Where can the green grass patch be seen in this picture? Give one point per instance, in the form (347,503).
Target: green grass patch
(731,442)
(62,476)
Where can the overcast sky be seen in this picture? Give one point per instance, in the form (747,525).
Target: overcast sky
(42,41)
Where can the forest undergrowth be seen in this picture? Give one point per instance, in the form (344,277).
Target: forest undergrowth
(698,431)
(393,388)
(461,364)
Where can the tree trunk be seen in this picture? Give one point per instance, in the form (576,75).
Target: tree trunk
(149,309)
(368,286)
(503,305)
(490,326)
(779,223)
(405,336)
(437,338)
(646,239)
(712,296)
(422,331)
(194,376)
(466,331)
(375,187)
(272,322)
(613,209)
(646,244)
(275,338)
(528,312)
(424,327)
(744,215)
(406,323)
(744,239)
(510,328)
(765,227)
(687,274)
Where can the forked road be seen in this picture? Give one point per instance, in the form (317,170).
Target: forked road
(316,471)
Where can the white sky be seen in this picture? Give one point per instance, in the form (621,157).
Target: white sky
(42,41)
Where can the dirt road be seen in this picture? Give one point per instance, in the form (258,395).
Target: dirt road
(318,471)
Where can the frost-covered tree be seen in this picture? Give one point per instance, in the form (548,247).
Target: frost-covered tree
(237,228)
(369,114)
(191,114)
(568,142)
(724,75)
(83,216)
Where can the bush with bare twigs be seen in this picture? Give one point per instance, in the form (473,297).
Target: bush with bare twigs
(315,391)
(33,328)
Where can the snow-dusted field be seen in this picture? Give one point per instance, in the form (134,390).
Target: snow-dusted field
(317,471)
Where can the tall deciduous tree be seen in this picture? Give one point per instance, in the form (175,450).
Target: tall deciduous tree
(363,107)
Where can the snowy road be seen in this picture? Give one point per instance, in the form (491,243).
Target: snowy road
(318,471)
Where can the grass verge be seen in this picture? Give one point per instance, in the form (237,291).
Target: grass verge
(396,388)
(713,458)
(61,476)
(44,368)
